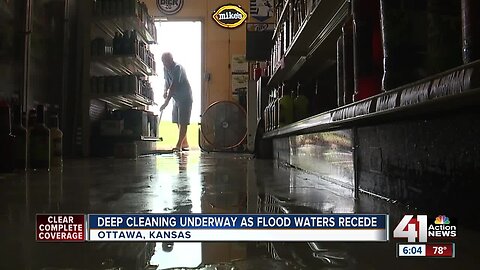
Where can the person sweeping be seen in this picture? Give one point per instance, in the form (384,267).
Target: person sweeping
(177,87)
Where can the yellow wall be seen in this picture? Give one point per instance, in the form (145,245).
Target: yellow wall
(219,44)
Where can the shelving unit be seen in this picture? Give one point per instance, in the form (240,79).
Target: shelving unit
(324,21)
(109,25)
(118,65)
(312,50)
(124,100)
(111,66)
(420,97)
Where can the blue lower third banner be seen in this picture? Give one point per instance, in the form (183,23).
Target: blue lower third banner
(242,227)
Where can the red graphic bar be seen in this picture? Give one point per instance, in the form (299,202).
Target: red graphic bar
(60,228)
(440,250)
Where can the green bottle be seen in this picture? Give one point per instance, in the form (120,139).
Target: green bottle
(300,105)
(286,108)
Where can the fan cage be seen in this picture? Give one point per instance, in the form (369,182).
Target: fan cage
(241,109)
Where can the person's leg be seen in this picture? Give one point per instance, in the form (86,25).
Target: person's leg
(176,117)
(185,141)
(181,135)
(184,112)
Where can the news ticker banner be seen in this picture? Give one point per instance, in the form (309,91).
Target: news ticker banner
(212,227)
(434,250)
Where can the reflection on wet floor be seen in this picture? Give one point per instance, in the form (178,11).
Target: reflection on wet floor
(193,182)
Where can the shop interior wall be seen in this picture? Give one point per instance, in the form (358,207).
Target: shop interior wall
(35,57)
(219,44)
(12,16)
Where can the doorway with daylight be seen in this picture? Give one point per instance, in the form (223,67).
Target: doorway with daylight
(184,40)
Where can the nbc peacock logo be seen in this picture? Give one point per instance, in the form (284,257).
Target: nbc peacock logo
(442,220)
(442,227)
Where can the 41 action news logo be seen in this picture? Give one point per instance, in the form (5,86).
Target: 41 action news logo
(420,228)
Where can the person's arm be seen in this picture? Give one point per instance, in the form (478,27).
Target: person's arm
(165,90)
(172,88)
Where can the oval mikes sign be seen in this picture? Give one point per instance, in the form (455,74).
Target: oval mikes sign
(229,16)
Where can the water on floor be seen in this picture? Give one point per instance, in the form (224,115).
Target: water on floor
(193,182)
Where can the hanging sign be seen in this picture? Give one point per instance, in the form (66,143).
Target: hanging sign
(169,7)
(229,16)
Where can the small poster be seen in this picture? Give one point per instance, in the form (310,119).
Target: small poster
(239,64)
(239,83)
(261,10)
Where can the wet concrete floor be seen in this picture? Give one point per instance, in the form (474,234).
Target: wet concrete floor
(194,182)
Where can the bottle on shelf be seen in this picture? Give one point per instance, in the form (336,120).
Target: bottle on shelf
(402,56)
(126,45)
(138,10)
(348,71)
(300,104)
(101,85)
(278,10)
(127,86)
(133,43)
(97,8)
(119,8)
(129,7)
(266,69)
(444,38)
(271,111)
(273,58)
(94,48)
(20,133)
(286,31)
(340,88)
(93,85)
(267,112)
(32,119)
(56,143)
(142,50)
(316,102)
(7,140)
(293,97)
(286,110)
(368,50)
(113,7)
(39,142)
(116,80)
(105,7)
(276,108)
(470,30)
(257,71)
(290,21)
(108,85)
(265,118)
(154,64)
(116,43)
(295,16)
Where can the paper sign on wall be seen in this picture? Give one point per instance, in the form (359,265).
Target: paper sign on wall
(261,10)
(239,64)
